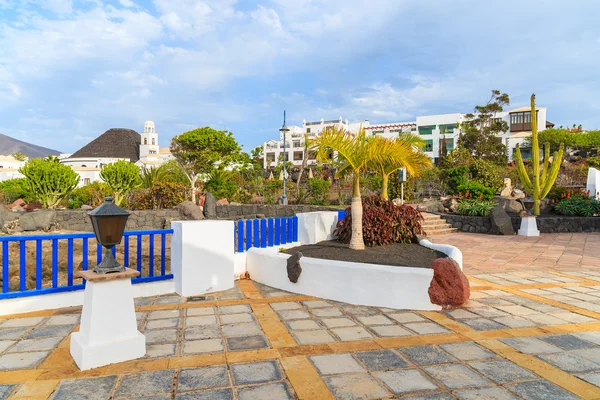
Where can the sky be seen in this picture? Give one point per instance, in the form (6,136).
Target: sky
(71,69)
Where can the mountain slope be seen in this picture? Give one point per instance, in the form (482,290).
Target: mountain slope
(10,145)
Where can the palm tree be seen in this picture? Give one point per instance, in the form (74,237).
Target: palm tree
(393,154)
(152,175)
(354,152)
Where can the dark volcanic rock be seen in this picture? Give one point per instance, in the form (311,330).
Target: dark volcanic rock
(189,211)
(293,267)
(210,206)
(449,286)
(501,223)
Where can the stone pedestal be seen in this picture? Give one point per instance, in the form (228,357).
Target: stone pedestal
(108,332)
(528,227)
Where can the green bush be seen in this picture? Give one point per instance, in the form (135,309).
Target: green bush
(160,195)
(487,173)
(558,193)
(475,207)
(272,191)
(50,181)
(472,189)
(15,189)
(318,191)
(578,205)
(456,177)
(593,162)
(93,195)
(122,176)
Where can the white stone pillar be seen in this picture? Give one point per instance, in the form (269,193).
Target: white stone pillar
(593,182)
(528,227)
(202,256)
(314,227)
(108,332)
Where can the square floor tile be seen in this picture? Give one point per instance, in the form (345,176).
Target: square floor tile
(390,330)
(489,312)
(426,328)
(164,314)
(203,378)
(243,329)
(374,320)
(194,312)
(88,388)
(287,305)
(6,390)
(313,337)
(21,360)
(50,331)
(546,319)
(12,333)
(44,344)
(201,320)
(202,332)
(352,333)
(515,322)
(240,308)
(540,390)
(593,378)
(502,371)
(257,372)
(570,362)
(69,319)
(145,383)
(293,314)
(482,324)
(202,346)
(492,393)
(593,337)
(336,364)
(426,355)
(21,322)
(530,345)
(279,391)
(163,323)
(355,387)
(303,324)
(406,381)
(316,303)
(161,350)
(161,335)
(467,351)
(337,322)
(360,310)
(430,396)
(381,360)
(5,344)
(327,312)
(218,394)
(247,343)
(406,317)
(572,317)
(236,318)
(169,300)
(567,342)
(456,376)
(460,313)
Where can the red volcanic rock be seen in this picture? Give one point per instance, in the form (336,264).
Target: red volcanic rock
(449,286)
(17,203)
(33,206)
(201,200)
(221,202)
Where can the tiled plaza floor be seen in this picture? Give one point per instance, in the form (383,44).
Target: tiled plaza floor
(525,334)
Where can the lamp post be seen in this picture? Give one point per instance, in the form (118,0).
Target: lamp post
(108,221)
(284,129)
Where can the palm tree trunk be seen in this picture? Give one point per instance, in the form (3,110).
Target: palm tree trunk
(356,242)
(384,187)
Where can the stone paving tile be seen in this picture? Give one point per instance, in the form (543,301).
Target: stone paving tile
(85,389)
(202,346)
(201,332)
(318,336)
(13,333)
(406,317)
(303,324)
(219,394)
(6,390)
(316,303)
(293,314)
(63,320)
(145,383)
(355,387)
(161,350)
(36,345)
(202,378)
(21,322)
(236,318)
(426,355)
(257,372)
(337,322)
(567,342)
(374,320)
(327,312)
(50,331)
(163,323)
(5,344)
(530,345)
(247,343)
(243,329)
(456,376)
(406,381)
(390,331)
(515,322)
(502,371)
(493,393)
(426,328)
(593,337)
(570,362)
(540,390)
(164,314)
(278,391)
(483,324)
(381,360)
(593,378)
(467,351)
(352,333)
(161,335)
(21,360)
(241,308)
(430,396)
(336,364)
(194,312)
(287,305)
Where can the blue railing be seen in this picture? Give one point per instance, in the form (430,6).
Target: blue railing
(341,214)
(266,232)
(61,277)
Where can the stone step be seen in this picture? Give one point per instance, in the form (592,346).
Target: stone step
(442,232)
(432,222)
(430,217)
(437,227)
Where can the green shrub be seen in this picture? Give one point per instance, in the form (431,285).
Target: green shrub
(578,205)
(557,193)
(455,177)
(593,162)
(487,173)
(383,223)
(50,181)
(472,189)
(272,191)
(15,189)
(318,191)
(160,195)
(93,195)
(475,207)
(122,176)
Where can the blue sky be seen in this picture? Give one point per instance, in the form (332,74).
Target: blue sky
(71,69)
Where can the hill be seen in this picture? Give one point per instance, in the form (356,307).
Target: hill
(10,145)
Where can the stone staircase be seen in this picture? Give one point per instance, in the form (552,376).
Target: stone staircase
(434,225)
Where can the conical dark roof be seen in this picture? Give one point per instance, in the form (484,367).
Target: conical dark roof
(114,143)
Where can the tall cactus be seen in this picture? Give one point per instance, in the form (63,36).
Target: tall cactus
(538,186)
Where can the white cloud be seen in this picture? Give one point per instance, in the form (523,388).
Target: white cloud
(127,3)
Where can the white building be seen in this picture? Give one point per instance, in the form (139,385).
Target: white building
(9,168)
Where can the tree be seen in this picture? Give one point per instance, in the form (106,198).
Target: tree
(480,130)
(19,156)
(49,181)
(393,154)
(354,153)
(304,163)
(201,150)
(538,186)
(150,176)
(121,177)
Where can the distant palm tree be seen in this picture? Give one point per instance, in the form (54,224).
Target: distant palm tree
(52,158)
(150,176)
(19,156)
(403,151)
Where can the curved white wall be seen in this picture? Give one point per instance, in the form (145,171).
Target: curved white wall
(451,251)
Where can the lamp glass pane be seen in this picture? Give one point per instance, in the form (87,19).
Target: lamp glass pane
(111,229)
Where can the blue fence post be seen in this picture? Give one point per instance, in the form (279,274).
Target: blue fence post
(277,231)
(54,263)
(5,267)
(263,233)
(270,231)
(163,254)
(38,264)
(248,234)
(84,256)
(283,230)
(256,234)
(290,237)
(70,262)
(22,265)
(126,251)
(295,228)
(139,254)
(240,236)
(151,256)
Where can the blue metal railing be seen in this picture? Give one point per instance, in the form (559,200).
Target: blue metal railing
(148,273)
(266,232)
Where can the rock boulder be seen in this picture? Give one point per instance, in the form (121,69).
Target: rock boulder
(449,286)
(210,206)
(42,220)
(189,211)
(510,205)
(293,267)
(501,223)
(507,189)
(431,206)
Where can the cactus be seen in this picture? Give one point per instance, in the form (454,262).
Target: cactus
(51,182)
(121,177)
(538,186)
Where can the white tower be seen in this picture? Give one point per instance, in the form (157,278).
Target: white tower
(149,146)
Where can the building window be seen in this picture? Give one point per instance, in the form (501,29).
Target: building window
(145,141)
(395,130)
(298,155)
(86,181)
(449,144)
(270,157)
(153,142)
(296,143)
(428,145)
(83,166)
(521,121)
(307,130)
(447,128)
(426,129)
(375,133)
